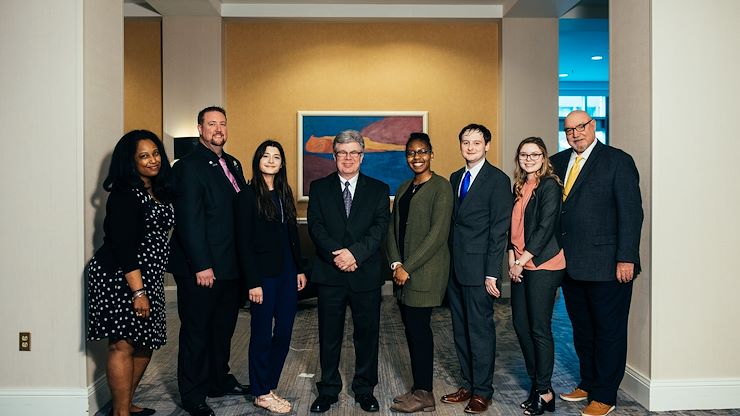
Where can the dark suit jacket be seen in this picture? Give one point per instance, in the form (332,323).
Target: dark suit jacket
(361,233)
(261,243)
(480,225)
(542,221)
(600,221)
(204,215)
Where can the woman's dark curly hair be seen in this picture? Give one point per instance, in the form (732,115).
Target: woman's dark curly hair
(122,173)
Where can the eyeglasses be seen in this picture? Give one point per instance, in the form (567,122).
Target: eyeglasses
(420,152)
(530,156)
(344,155)
(569,130)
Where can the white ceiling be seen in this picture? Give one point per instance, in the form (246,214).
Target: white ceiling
(346,8)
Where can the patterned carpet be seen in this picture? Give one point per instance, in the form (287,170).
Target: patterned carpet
(158,389)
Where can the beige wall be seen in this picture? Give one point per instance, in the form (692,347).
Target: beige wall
(629,123)
(63,91)
(191,72)
(530,85)
(103,126)
(695,237)
(142,74)
(274,69)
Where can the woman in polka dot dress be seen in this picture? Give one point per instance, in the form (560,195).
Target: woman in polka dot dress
(125,277)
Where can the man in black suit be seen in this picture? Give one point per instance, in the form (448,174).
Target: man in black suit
(600,222)
(204,262)
(348,215)
(481,218)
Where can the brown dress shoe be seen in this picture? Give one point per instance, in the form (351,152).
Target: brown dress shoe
(596,408)
(403,397)
(477,404)
(576,395)
(461,395)
(419,401)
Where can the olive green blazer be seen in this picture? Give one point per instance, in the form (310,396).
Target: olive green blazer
(425,244)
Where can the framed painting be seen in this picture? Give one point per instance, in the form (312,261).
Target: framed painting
(385,134)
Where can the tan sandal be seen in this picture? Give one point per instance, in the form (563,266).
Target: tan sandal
(278,398)
(273,403)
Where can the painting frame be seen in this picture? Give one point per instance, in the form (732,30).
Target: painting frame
(317,128)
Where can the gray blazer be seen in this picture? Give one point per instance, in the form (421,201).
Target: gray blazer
(480,225)
(427,256)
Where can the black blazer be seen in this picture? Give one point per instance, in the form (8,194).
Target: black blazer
(204,215)
(361,233)
(600,221)
(480,225)
(261,243)
(542,221)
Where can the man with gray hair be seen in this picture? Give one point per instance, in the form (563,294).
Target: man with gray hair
(348,214)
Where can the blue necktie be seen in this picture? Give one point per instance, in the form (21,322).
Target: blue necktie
(465,186)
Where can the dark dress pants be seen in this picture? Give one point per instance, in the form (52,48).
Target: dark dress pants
(365,307)
(599,312)
(416,322)
(474,331)
(268,344)
(207,321)
(532,301)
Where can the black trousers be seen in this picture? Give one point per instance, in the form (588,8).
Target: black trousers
(599,312)
(365,307)
(532,301)
(207,321)
(416,322)
(471,308)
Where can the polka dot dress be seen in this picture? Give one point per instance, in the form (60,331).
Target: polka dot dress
(110,312)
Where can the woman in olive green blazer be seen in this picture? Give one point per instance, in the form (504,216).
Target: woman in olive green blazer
(420,259)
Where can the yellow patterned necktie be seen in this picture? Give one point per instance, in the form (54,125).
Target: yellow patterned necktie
(574,171)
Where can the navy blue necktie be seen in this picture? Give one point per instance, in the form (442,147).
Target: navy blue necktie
(465,186)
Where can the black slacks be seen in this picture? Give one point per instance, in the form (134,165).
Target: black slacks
(474,332)
(416,322)
(365,307)
(532,301)
(599,312)
(207,322)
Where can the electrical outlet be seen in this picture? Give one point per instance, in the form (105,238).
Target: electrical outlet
(24,341)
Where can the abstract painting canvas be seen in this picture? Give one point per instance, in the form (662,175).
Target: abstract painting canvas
(385,134)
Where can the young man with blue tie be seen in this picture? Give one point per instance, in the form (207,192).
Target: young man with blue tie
(478,236)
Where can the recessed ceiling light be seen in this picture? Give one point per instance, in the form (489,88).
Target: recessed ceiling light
(563,75)
(597,58)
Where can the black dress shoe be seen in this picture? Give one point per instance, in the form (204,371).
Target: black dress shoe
(200,409)
(367,402)
(532,397)
(235,390)
(539,405)
(143,412)
(322,403)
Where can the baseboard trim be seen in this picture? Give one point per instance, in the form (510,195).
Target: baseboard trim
(687,394)
(38,402)
(696,394)
(637,386)
(98,394)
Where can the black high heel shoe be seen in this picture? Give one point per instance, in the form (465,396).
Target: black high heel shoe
(532,397)
(539,405)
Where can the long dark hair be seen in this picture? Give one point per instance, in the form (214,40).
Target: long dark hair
(122,173)
(546,171)
(265,204)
